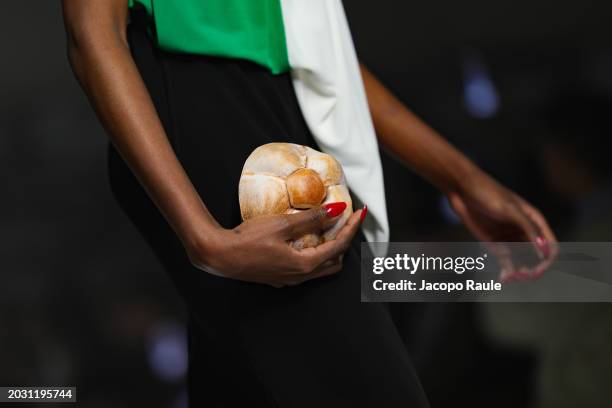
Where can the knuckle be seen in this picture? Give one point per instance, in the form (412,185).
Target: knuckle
(270,245)
(286,223)
(315,215)
(508,207)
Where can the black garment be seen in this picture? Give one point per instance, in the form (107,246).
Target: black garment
(313,345)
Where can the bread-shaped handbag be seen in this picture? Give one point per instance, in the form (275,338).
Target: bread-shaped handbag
(285,178)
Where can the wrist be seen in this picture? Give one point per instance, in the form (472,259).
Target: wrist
(463,178)
(201,241)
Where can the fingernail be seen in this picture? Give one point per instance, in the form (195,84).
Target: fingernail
(334,209)
(523,274)
(364,212)
(505,278)
(543,246)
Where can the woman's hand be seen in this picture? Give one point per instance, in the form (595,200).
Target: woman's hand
(497,215)
(490,211)
(258,250)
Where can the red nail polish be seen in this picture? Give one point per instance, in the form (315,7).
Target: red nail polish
(334,209)
(523,274)
(364,212)
(543,246)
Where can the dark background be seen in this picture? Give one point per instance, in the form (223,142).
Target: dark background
(523,87)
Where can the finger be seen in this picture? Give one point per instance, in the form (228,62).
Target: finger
(313,220)
(336,247)
(549,242)
(523,273)
(332,261)
(545,242)
(530,230)
(507,266)
(537,271)
(541,268)
(352,225)
(504,259)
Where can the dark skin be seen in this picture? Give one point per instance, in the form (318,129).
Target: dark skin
(491,212)
(257,250)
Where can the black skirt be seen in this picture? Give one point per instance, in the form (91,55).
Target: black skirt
(313,345)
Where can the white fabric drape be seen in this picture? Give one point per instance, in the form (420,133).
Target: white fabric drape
(330,92)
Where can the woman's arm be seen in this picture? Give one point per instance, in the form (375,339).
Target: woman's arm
(413,141)
(489,210)
(100,57)
(257,251)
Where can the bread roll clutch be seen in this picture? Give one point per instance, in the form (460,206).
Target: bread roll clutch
(286,178)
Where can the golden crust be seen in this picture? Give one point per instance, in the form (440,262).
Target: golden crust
(285,178)
(260,194)
(278,159)
(326,165)
(305,189)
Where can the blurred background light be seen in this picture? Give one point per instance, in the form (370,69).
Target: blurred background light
(167,351)
(480,97)
(447,211)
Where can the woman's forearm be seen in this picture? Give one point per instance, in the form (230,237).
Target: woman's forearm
(101,60)
(415,143)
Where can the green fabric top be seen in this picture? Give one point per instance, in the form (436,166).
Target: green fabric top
(246,29)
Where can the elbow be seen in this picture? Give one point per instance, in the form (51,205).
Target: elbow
(79,48)
(87,44)
(95,30)
(72,47)
(84,38)
(81,39)
(91,25)
(74,52)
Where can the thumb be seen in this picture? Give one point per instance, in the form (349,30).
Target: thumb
(314,220)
